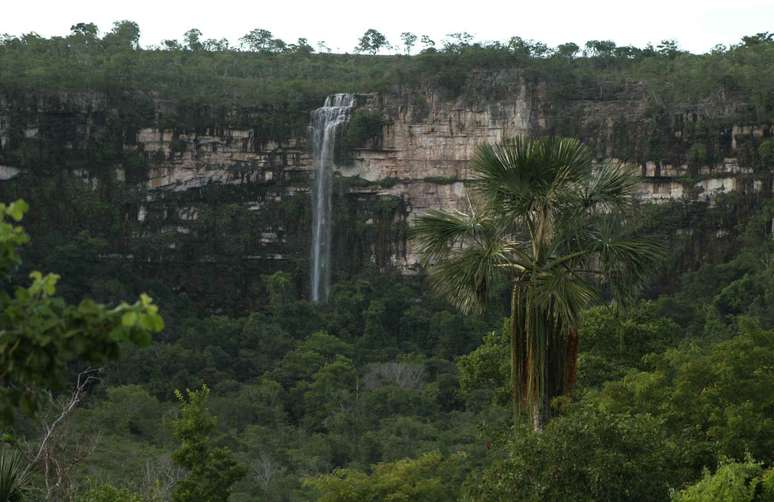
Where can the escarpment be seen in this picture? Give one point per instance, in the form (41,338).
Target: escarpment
(211,202)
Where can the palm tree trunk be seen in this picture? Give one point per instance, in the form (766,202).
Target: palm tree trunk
(514,366)
(534,385)
(539,415)
(516,356)
(571,362)
(544,326)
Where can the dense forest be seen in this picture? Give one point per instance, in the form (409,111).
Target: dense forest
(390,391)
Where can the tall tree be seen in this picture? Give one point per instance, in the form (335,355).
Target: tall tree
(84,33)
(193,39)
(212,470)
(757,39)
(125,34)
(409,40)
(371,42)
(263,41)
(599,48)
(555,229)
(568,50)
(668,48)
(427,43)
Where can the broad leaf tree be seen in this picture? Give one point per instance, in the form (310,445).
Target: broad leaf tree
(371,42)
(41,335)
(211,470)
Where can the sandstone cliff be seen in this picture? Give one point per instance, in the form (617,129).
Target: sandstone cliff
(192,186)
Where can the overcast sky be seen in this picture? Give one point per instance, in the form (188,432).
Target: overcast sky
(696,24)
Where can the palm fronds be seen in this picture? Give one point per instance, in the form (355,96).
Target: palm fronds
(552,224)
(436,233)
(521,174)
(465,253)
(13,475)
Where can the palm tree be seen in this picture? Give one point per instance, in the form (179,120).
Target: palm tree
(13,476)
(555,227)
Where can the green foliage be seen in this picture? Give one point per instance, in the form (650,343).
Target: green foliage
(131,410)
(364,126)
(260,40)
(293,401)
(371,42)
(301,390)
(584,456)
(767,485)
(42,334)
(428,478)
(280,289)
(567,50)
(311,355)
(109,493)
(211,470)
(13,475)
(199,71)
(716,398)
(732,482)
(484,373)
(124,35)
(613,341)
(331,388)
(409,40)
(766,152)
(600,48)
(697,156)
(551,227)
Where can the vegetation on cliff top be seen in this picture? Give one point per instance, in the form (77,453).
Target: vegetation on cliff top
(267,72)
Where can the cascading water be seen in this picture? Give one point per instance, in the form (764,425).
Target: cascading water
(325,123)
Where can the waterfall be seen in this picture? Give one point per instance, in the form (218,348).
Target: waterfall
(325,123)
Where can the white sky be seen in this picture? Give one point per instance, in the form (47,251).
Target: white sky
(696,24)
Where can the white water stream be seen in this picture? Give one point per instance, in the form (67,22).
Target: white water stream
(325,123)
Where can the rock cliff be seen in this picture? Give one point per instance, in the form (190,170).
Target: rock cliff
(236,200)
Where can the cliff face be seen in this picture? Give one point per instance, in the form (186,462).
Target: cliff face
(233,203)
(689,153)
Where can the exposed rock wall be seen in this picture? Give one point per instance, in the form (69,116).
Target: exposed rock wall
(194,187)
(428,143)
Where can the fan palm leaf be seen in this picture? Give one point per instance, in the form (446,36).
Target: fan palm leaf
(554,225)
(13,475)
